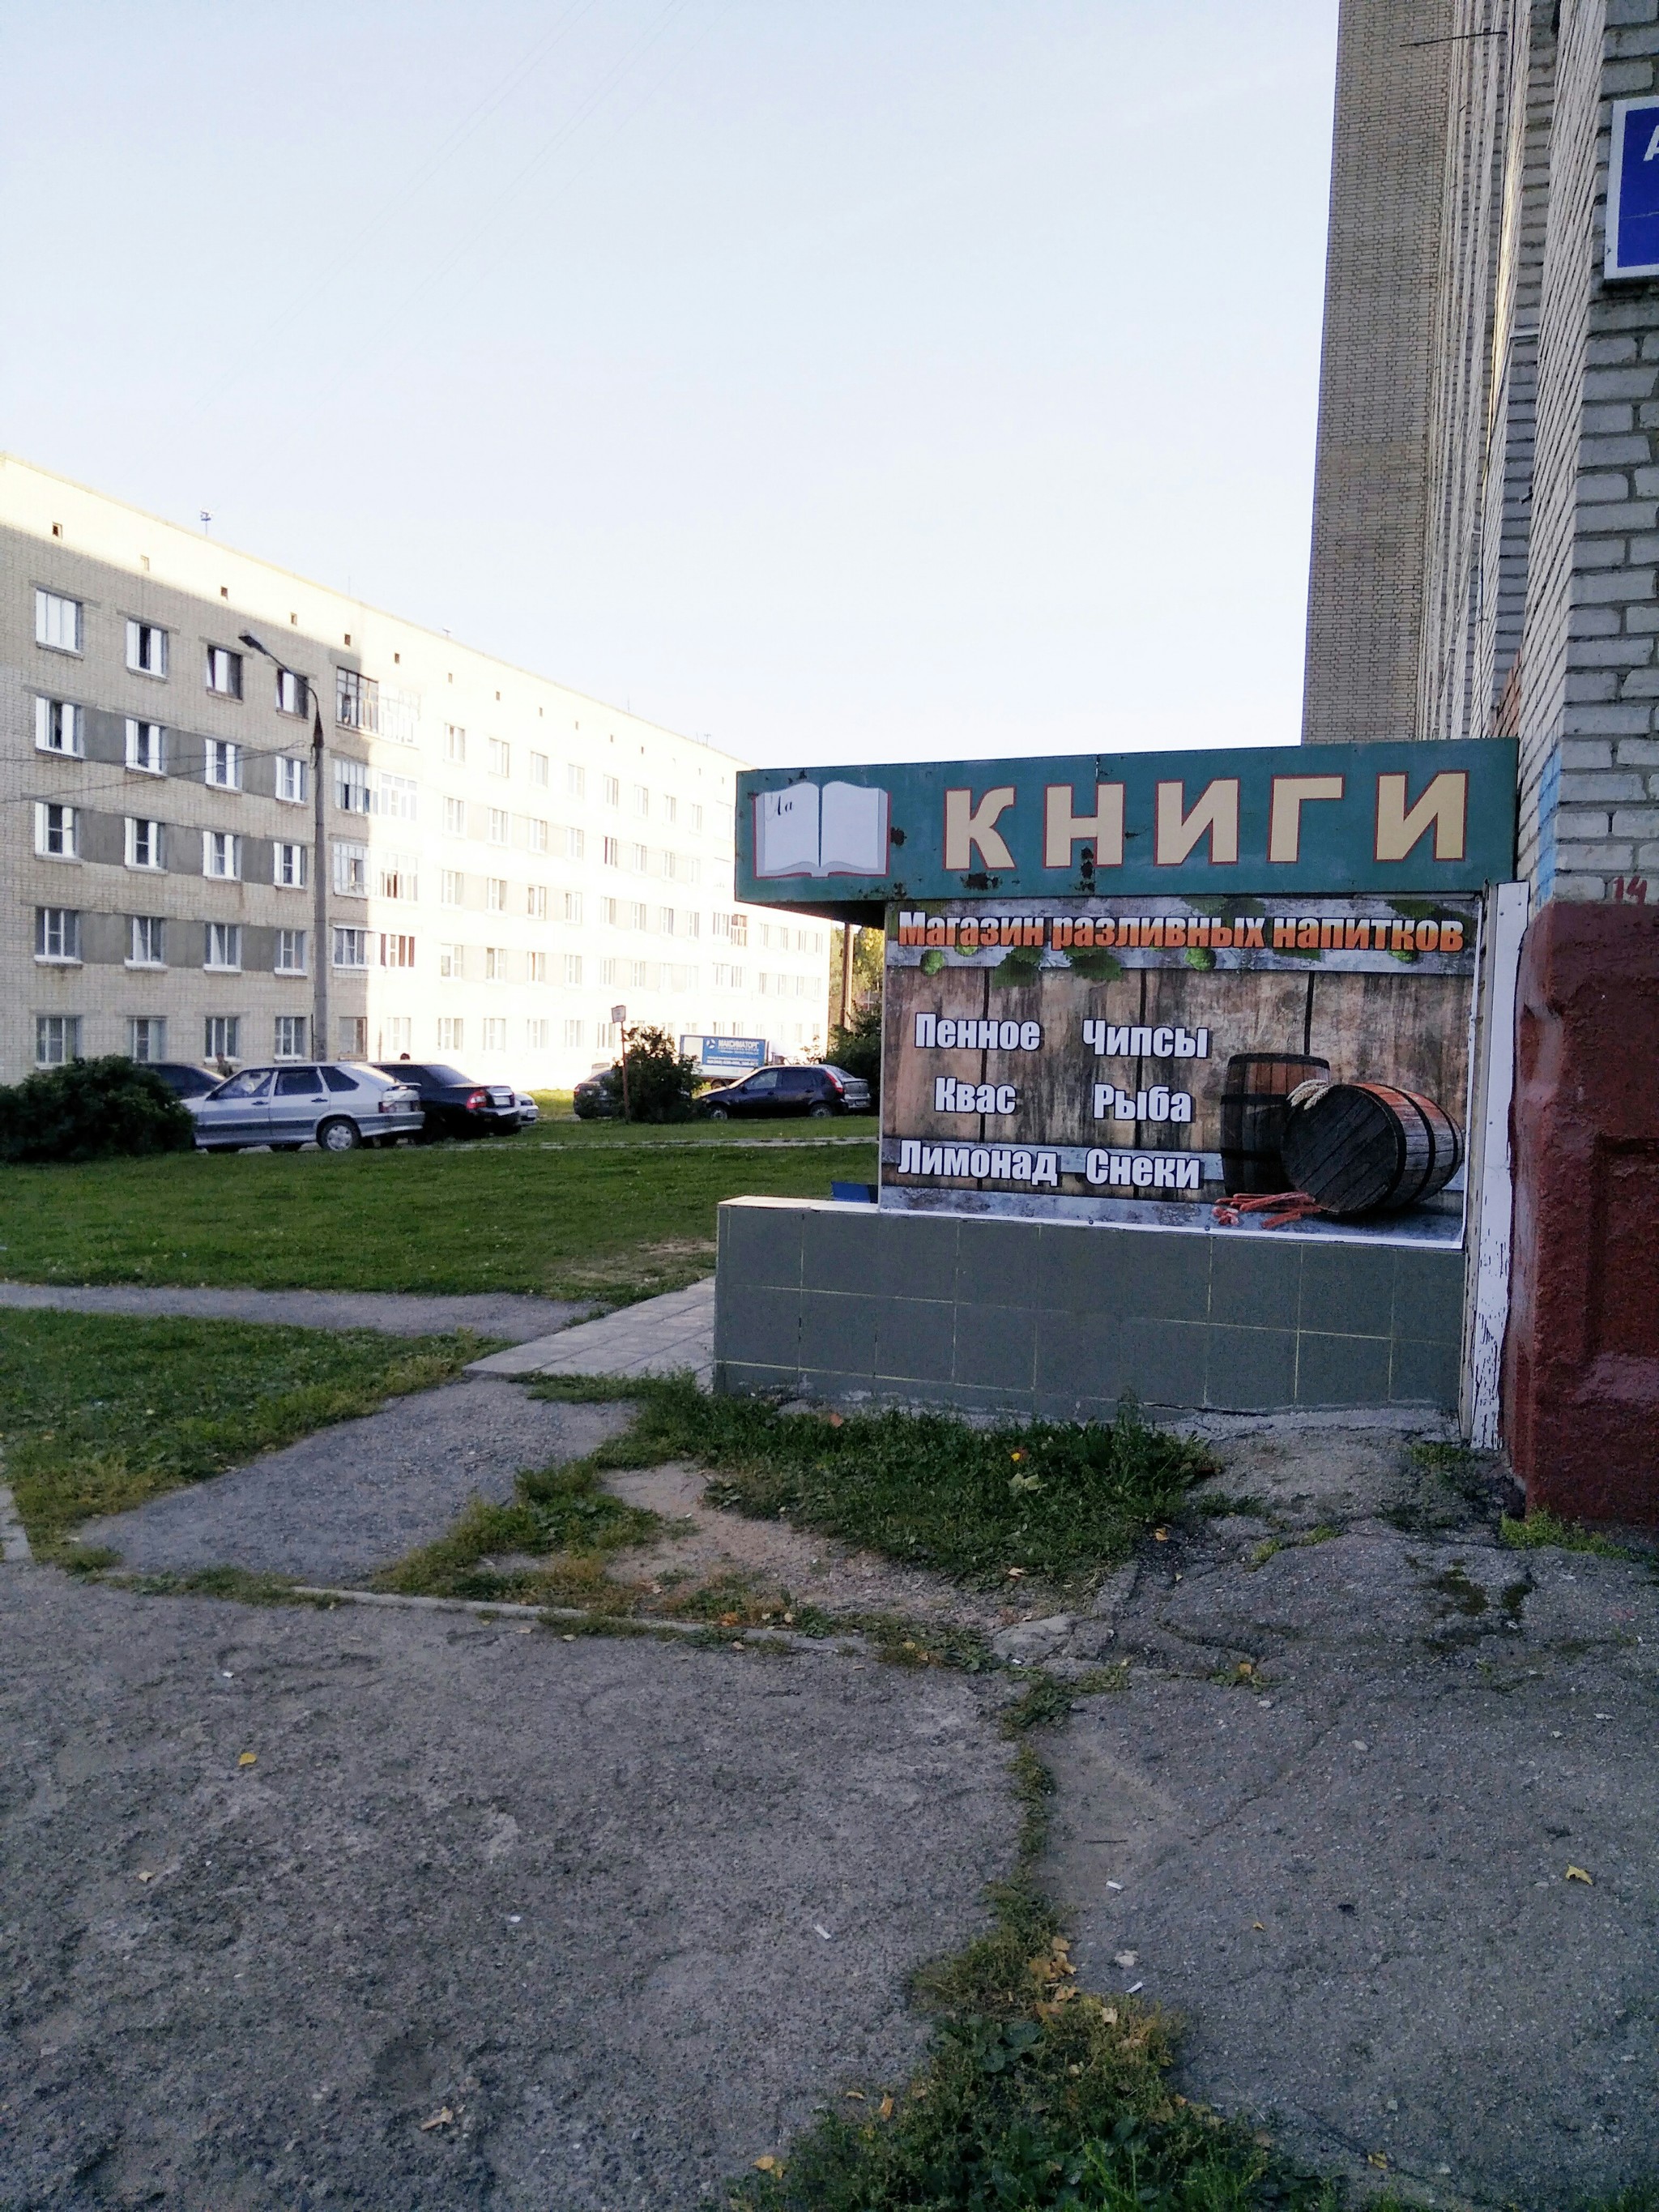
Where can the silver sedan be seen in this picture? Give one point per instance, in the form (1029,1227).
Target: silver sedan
(335,1107)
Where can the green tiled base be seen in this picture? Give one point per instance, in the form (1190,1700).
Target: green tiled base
(1062,1321)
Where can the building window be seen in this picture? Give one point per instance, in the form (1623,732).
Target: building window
(351,871)
(572,907)
(573,1033)
(535,968)
(289,1041)
(452,1033)
(451,962)
(607,1033)
(396,876)
(573,844)
(397,1034)
(451,888)
(537,836)
(454,743)
(495,898)
(400,716)
(639,973)
(222,765)
(611,789)
(223,1036)
(147,649)
(640,800)
(224,945)
(396,797)
(56,832)
(696,818)
(664,921)
(610,853)
(639,860)
(56,933)
(535,1036)
(221,855)
(356,700)
(536,902)
(56,1036)
(224,672)
(59,728)
(540,768)
(350,948)
(352,1030)
(58,624)
(727,979)
(289,866)
(351,794)
(495,963)
(636,913)
(734,927)
(290,692)
(500,756)
(610,971)
(147,941)
(290,953)
(144,842)
(455,816)
(397,951)
(146,748)
(576,780)
(572,968)
(671,808)
(608,912)
(499,825)
(146,1039)
(293,779)
(495,1033)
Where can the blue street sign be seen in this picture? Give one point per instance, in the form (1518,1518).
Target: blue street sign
(1633,190)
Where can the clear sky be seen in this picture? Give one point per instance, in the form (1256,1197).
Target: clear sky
(837,378)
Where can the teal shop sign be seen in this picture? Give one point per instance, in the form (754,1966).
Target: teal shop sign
(1318,818)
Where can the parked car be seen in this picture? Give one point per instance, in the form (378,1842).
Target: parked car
(817,1092)
(599,1099)
(529,1111)
(182,1079)
(335,1107)
(456,1106)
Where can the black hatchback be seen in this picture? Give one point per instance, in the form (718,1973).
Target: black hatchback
(456,1106)
(815,1091)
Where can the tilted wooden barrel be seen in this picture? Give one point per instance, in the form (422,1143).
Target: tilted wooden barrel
(1255,1100)
(1367,1148)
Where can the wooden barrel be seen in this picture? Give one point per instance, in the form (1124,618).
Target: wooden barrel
(1367,1148)
(1254,1102)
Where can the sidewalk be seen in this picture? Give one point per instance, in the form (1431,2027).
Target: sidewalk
(395,1313)
(658,1336)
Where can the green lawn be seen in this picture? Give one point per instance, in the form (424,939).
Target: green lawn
(100,1412)
(579,1209)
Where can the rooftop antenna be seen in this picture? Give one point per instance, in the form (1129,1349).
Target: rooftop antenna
(206,518)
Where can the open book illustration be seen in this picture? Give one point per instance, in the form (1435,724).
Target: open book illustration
(841,830)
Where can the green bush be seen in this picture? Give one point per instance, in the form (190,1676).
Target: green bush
(660,1077)
(92,1109)
(858,1047)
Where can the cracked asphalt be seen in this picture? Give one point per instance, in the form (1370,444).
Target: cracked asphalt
(488,1919)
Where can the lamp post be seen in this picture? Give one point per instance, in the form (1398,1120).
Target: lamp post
(319,878)
(619,1014)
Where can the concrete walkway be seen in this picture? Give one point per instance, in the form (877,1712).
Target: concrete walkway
(398,1313)
(658,1336)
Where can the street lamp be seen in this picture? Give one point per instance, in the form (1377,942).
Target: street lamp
(619,1014)
(319,879)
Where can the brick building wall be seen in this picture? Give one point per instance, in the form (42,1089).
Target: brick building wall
(1364,611)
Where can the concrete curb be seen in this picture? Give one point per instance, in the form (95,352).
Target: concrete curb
(14,1550)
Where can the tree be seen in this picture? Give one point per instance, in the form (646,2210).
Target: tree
(661,1078)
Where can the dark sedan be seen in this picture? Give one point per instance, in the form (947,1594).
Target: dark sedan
(455,1105)
(184,1080)
(817,1092)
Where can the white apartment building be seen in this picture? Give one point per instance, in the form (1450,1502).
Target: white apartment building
(506,861)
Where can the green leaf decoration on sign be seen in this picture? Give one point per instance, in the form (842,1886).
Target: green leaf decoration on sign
(1097,967)
(1019,964)
(933,960)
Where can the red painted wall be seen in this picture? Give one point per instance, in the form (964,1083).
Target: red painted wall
(1581,1399)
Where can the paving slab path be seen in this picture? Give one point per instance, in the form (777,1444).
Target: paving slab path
(399,1313)
(491,1918)
(671,1334)
(337,1505)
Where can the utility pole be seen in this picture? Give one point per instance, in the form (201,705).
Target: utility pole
(848,941)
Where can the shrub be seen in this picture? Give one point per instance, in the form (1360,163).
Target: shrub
(858,1047)
(92,1109)
(660,1077)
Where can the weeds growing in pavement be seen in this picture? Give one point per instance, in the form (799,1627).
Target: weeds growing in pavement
(1053,1499)
(560,1515)
(1542,1531)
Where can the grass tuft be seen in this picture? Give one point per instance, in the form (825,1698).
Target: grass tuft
(1542,1531)
(1055,1500)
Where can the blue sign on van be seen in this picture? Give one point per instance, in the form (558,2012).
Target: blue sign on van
(1633,190)
(719,1056)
